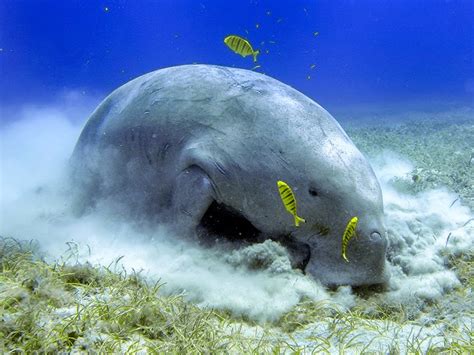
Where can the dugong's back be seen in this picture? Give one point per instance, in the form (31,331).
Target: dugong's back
(184,97)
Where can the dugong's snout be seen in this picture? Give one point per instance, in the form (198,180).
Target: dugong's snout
(366,254)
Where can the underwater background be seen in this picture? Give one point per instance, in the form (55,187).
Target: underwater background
(364,52)
(397,75)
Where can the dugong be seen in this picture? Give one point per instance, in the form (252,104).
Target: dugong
(203,146)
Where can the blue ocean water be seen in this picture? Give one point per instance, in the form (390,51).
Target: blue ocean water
(364,52)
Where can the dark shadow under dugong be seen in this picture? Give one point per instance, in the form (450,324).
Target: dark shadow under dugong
(183,145)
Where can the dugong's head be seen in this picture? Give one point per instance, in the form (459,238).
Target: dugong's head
(301,144)
(332,183)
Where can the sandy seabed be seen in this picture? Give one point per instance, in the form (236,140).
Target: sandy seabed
(90,284)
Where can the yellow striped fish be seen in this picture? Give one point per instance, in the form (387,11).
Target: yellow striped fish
(349,233)
(289,201)
(240,46)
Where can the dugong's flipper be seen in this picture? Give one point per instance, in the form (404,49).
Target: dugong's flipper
(193,194)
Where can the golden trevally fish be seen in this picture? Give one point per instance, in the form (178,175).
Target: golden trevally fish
(241,46)
(349,233)
(289,201)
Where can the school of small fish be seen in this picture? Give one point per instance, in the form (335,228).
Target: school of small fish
(243,47)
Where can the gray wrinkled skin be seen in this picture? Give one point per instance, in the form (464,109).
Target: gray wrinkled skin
(166,145)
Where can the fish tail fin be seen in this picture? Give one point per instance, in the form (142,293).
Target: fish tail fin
(345,257)
(298,220)
(255,53)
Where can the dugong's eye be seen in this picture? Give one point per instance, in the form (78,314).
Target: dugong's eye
(312,191)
